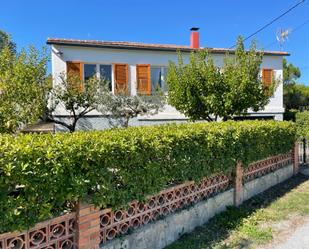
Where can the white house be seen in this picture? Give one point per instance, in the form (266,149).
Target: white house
(139,67)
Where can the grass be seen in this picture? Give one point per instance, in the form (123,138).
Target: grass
(250,225)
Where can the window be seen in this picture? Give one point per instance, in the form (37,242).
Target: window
(158,76)
(106,74)
(89,71)
(156,79)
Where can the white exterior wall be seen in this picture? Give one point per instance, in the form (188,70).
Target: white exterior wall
(154,58)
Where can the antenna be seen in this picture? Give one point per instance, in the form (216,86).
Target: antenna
(282,35)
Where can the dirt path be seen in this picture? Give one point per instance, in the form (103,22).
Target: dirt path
(292,233)
(298,240)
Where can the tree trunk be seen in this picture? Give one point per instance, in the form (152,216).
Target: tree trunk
(126,122)
(73,126)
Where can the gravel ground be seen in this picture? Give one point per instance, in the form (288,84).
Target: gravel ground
(297,240)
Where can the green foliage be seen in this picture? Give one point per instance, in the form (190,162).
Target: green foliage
(302,122)
(42,175)
(6,41)
(290,115)
(290,73)
(296,96)
(23,86)
(122,107)
(201,90)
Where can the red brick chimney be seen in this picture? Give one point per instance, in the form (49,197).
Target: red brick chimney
(195,38)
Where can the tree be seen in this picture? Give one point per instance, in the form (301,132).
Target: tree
(122,108)
(6,41)
(290,73)
(296,96)
(77,97)
(201,90)
(23,84)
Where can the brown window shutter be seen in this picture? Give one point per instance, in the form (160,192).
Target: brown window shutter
(267,76)
(121,78)
(143,79)
(75,69)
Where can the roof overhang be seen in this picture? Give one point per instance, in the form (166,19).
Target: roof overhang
(144,46)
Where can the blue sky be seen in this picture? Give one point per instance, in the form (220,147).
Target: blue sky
(159,21)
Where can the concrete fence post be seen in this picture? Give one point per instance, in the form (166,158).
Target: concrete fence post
(88,226)
(238,186)
(295,158)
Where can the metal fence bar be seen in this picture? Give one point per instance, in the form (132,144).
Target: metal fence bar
(303,151)
(300,152)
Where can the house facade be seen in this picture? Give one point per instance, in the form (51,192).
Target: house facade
(139,68)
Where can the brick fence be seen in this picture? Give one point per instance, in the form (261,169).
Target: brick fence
(89,227)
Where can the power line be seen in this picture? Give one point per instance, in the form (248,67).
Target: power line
(301,25)
(272,21)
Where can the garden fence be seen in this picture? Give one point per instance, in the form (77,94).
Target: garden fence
(91,227)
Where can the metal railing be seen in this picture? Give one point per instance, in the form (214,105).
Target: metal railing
(303,152)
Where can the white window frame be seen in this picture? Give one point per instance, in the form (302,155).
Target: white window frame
(98,71)
(162,68)
(112,73)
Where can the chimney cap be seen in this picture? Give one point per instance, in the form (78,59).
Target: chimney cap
(194,29)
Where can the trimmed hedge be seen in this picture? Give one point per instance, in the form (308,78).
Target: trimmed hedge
(41,175)
(302,122)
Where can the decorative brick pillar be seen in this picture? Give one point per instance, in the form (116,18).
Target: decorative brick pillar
(295,155)
(238,186)
(88,227)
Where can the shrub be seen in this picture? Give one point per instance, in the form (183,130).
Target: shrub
(302,122)
(41,175)
(290,115)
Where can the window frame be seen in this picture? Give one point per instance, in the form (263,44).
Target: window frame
(96,69)
(112,73)
(98,73)
(163,80)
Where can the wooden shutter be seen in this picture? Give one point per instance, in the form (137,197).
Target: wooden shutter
(76,69)
(143,79)
(267,76)
(121,78)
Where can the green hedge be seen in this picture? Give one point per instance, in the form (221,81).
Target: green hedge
(41,175)
(302,122)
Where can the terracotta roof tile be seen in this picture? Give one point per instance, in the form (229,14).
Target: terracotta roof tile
(142,46)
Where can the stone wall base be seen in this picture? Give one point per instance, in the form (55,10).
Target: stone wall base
(163,232)
(263,183)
